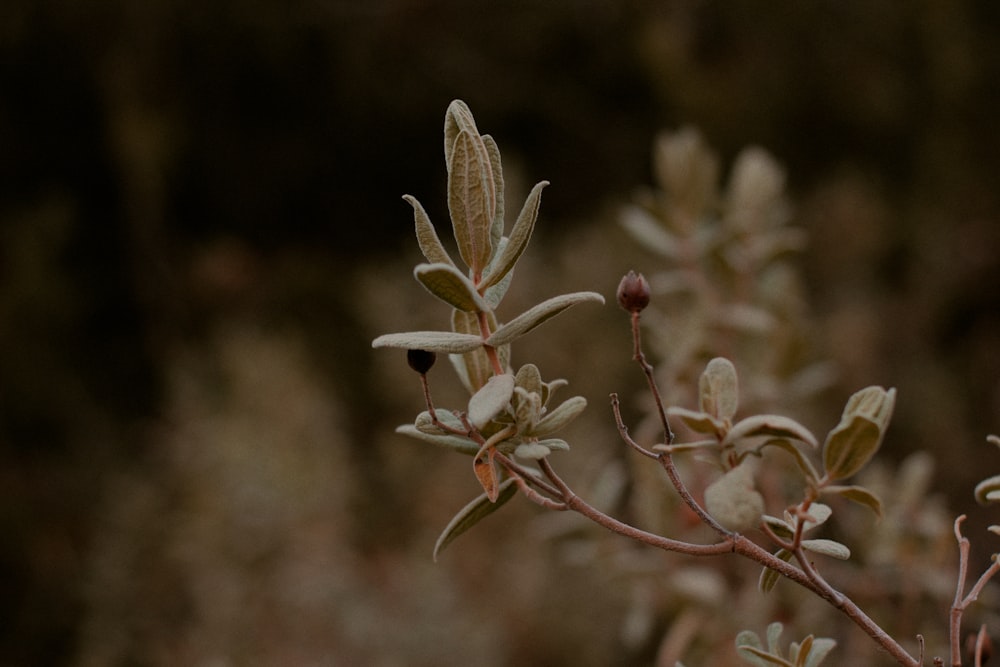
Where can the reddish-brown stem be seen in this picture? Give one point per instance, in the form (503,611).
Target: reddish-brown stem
(491,352)
(962,600)
(647,369)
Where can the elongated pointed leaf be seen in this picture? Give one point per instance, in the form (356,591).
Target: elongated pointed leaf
(496,292)
(427,238)
(697,421)
(448,284)
(531,318)
(774,426)
(491,399)
(496,170)
(473,513)
(452,442)
(432,341)
(470,200)
(473,368)
(486,473)
(820,649)
(555,420)
(858,494)
(718,389)
(457,118)
(827,548)
(805,465)
(520,234)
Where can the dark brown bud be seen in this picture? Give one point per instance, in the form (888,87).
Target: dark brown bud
(420,360)
(633,292)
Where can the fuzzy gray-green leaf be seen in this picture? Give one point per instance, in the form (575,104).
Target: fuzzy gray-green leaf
(858,494)
(850,446)
(496,170)
(448,284)
(453,442)
(827,548)
(427,238)
(774,426)
(491,399)
(697,421)
(718,389)
(555,420)
(457,118)
(432,341)
(768,577)
(473,513)
(531,318)
(520,234)
(470,200)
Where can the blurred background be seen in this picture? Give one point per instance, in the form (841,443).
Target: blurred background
(201,231)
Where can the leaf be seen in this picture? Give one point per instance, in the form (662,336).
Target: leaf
(858,494)
(473,513)
(718,389)
(520,234)
(532,450)
(495,293)
(733,501)
(768,577)
(427,237)
(529,378)
(769,425)
(763,658)
(470,201)
(699,422)
(985,490)
(774,631)
(486,472)
(496,170)
(432,341)
(827,548)
(457,118)
(491,399)
(555,420)
(820,649)
(425,424)
(850,446)
(800,458)
(448,284)
(781,528)
(531,318)
(453,442)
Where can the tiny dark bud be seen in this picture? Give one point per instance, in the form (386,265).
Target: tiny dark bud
(633,292)
(420,360)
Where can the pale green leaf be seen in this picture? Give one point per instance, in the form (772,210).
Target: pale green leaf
(858,494)
(769,425)
(425,424)
(805,465)
(491,399)
(699,422)
(774,631)
(470,202)
(520,234)
(496,292)
(555,444)
(432,341)
(427,237)
(718,389)
(473,513)
(733,501)
(850,446)
(453,442)
(457,118)
(496,170)
(986,488)
(827,548)
(820,649)
(532,450)
(763,658)
(779,527)
(768,577)
(559,417)
(531,318)
(529,378)
(448,284)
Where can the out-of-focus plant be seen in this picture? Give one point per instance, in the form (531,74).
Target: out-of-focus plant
(509,425)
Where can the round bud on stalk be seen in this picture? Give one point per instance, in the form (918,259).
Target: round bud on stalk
(420,360)
(633,292)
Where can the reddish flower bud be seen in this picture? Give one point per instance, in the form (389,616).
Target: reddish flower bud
(633,292)
(420,360)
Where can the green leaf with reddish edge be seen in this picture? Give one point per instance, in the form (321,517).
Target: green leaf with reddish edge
(448,284)
(531,318)
(473,513)
(427,238)
(858,494)
(432,341)
(486,472)
(520,234)
(470,201)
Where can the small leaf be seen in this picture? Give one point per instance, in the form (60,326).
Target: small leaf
(473,513)
(425,424)
(718,389)
(858,494)
(733,501)
(453,442)
(686,446)
(699,422)
(486,472)
(532,450)
(763,658)
(769,425)
(496,170)
(432,341)
(470,200)
(779,527)
(531,318)
(986,488)
(427,237)
(800,458)
(555,420)
(768,577)
(850,446)
(491,399)
(448,284)
(774,631)
(520,234)
(827,548)
(496,292)
(820,649)
(529,378)
(457,118)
